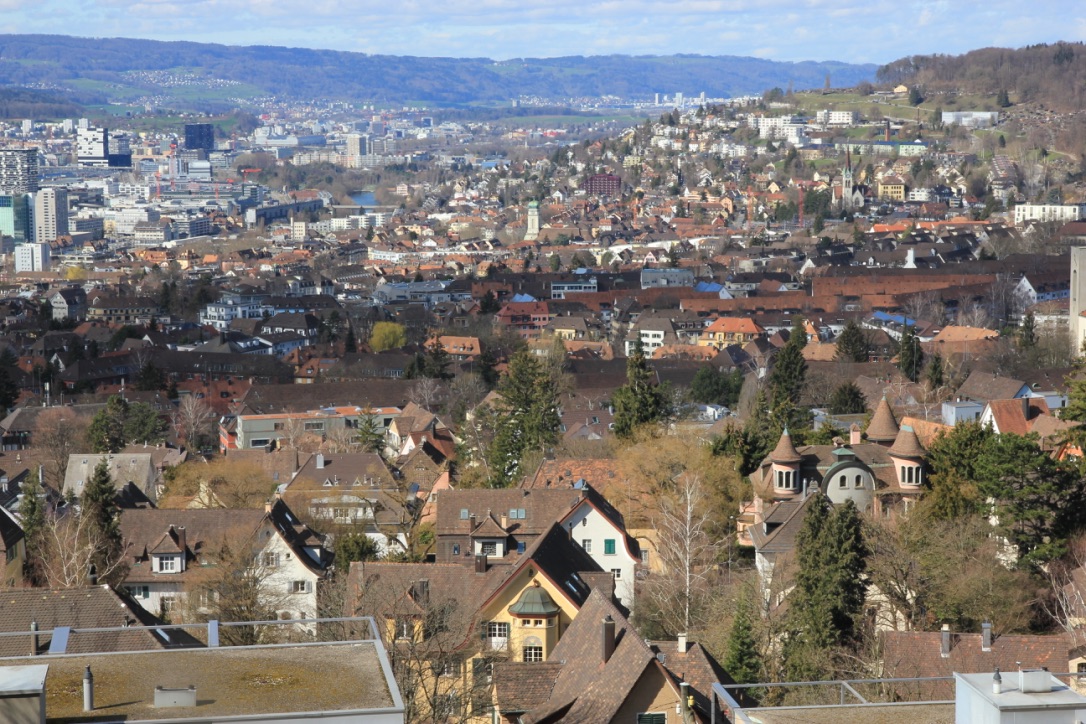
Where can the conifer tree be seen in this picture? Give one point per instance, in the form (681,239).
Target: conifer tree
(32,515)
(852,344)
(350,345)
(789,375)
(848,399)
(99,505)
(936,374)
(910,357)
(640,401)
(742,661)
(528,416)
(825,605)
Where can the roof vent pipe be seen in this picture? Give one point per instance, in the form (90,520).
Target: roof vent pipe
(88,690)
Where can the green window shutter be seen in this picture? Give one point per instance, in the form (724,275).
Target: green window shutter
(609,547)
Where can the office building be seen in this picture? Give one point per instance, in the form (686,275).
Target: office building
(18,170)
(32,258)
(15,215)
(50,214)
(98,148)
(199,136)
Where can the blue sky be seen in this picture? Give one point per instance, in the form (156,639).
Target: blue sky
(850,30)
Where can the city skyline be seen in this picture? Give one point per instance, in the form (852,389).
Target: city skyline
(844,30)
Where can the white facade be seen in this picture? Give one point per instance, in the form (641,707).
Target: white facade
(92,146)
(607,544)
(1047,212)
(50,214)
(837,118)
(32,258)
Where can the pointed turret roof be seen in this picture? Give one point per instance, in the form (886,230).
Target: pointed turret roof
(785,453)
(907,444)
(883,427)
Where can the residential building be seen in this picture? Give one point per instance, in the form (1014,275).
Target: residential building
(726,331)
(358,490)
(136,469)
(1047,213)
(528,319)
(172,553)
(260,431)
(653,278)
(602,670)
(50,214)
(122,310)
(68,303)
(892,188)
(500,523)
(32,258)
(18,170)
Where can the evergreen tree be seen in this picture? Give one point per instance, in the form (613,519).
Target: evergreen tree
(489,303)
(742,661)
(150,378)
(371,434)
(486,366)
(436,362)
(350,345)
(713,386)
(9,390)
(910,357)
(825,606)
(1003,99)
(640,401)
(789,375)
(936,374)
(1027,334)
(99,504)
(848,399)
(527,416)
(32,515)
(120,423)
(853,344)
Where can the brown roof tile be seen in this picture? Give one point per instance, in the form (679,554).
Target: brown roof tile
(883,426)
(906,444)
(785,453)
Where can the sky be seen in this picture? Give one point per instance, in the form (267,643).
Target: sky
(856,31)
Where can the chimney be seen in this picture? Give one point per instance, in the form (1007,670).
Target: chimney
(471,522)
(320,461)
(944,648)
(608,641)
(182,541)
(505,521)
(88,690)
(854,434)
(685,701)
(682,643)
(480,563)
(33,638)
(986,636)
(997,682)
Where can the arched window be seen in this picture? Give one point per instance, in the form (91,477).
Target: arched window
(859,481)
(842,482)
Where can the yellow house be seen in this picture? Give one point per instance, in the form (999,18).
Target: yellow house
(603,671)
(725,331)
(447,624)
(892,188)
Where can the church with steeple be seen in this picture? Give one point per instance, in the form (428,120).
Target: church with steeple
(850,196)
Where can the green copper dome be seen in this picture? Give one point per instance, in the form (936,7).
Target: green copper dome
(534,602)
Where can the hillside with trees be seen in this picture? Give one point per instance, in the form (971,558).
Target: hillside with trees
(1050,75)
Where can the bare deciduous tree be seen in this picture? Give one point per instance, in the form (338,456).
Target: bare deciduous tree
(686,552)
(193,420)
(61,433)
(69,545)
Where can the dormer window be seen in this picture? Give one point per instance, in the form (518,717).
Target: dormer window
(167,564)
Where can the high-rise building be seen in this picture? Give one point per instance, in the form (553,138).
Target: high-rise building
(199,136)
(50,214)
(92,147)
(15,213)
(32,258)
(18,170)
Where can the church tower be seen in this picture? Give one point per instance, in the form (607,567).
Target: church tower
(533,221)
(846,182)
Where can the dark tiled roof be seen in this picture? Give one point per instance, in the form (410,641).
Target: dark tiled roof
(983,386)
(81,608)
(524,687)
(908,654)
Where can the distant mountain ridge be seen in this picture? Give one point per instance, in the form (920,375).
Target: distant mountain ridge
(111,68)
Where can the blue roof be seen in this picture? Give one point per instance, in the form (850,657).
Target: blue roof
(708,287)
(523,298)
(895,318)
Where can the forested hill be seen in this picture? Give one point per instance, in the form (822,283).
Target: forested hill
(1053,75)
(112,66)
(25,103)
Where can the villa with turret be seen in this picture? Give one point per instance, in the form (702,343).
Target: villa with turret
(882,475)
